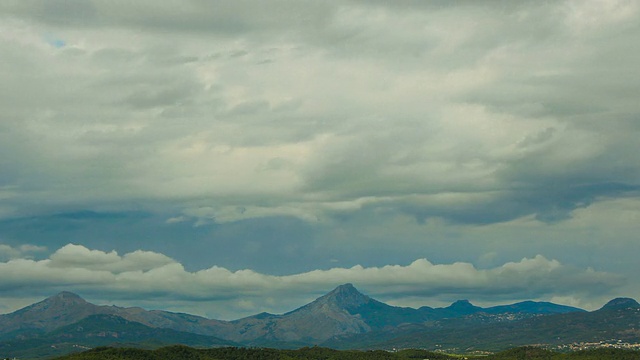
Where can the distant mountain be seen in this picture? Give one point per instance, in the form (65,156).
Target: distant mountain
(532,307)
(621,303)
(56,311)
(619,320)
(343,318)
(67,308)
(330,315)
(343,311)
(459,308)
(355,306)
(347,312)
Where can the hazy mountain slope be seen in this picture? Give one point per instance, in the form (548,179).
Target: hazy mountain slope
(347,312)
(340,313)
(178,321)
(619,319)
(317,321)
(56,311)
(107,329)
(66,308)
(102,330)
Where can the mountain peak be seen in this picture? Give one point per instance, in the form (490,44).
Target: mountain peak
(345,289)
(346,296)
(66,297)
(461,304)
(462,307)
(621,303)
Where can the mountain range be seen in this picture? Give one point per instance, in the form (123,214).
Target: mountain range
(343,318)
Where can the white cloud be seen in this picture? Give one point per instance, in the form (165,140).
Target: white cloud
(143,275)
(7,252)
(73,256)
(25,250)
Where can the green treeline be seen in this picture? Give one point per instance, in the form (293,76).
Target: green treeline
(534,353)
(232,353)
(179,352)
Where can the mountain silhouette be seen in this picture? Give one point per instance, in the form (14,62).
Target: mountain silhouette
(532,307)
(325,317)
(61,309)
(344,317)
(461,308)
(67,308)
(621,303)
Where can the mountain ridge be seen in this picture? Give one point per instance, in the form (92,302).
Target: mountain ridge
(337,318)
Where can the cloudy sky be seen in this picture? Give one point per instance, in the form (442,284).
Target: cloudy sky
(226,158)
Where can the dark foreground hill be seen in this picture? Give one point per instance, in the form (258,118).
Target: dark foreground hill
(318,353)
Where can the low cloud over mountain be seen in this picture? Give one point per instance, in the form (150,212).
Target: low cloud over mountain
(145,275)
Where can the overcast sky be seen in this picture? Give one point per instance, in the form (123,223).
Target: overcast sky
(225,158)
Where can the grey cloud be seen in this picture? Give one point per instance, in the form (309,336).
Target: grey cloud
(307,130)
(195,15)
(58,12)
(149,116)
(8,252)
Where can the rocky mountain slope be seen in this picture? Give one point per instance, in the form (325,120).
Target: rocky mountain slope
(67,308)
(346,311)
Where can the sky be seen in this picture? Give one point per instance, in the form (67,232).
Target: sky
(225,158)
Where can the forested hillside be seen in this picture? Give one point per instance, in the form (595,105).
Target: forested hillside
(319,353)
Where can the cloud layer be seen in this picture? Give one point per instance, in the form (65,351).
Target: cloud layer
(313,110)
(145,275)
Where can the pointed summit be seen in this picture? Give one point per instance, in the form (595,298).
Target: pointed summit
(621,303)
(345,296)
(67,294)
(345,287)
(67,297)
(60,302)
(345,299)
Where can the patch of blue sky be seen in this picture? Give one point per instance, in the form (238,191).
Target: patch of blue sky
(55,42)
